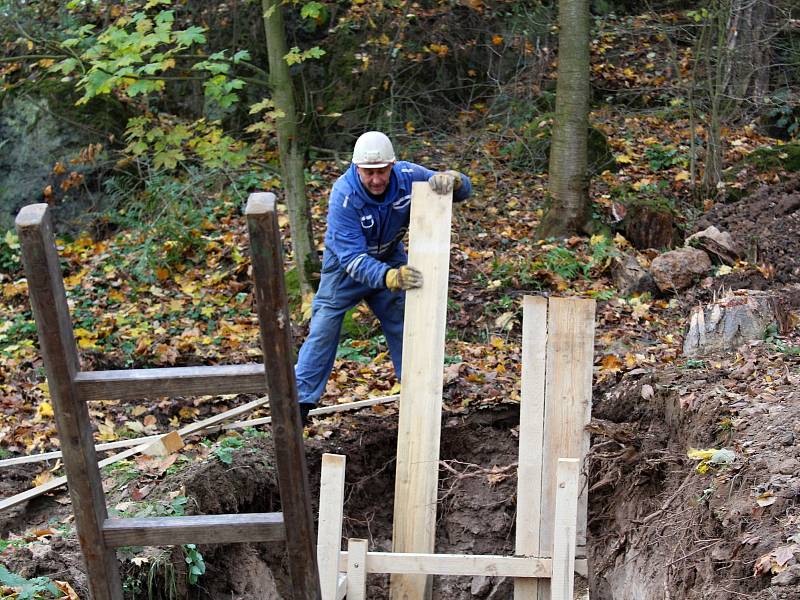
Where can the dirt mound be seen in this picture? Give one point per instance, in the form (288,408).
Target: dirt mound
(766,224)
(665,526)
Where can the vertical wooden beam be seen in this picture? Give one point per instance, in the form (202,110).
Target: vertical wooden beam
(287,429)
(563,578)
(531,438)
(57,341)
(568,399)
(356,569)
(421,393)
(329,528)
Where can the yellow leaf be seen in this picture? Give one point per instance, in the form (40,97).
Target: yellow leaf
(497,39)
(395,389)
(45,410)
(106,431)
(683,175)
(497,342)
(625,159)
(696,454)
(610,363)
(42,478)
(67,590)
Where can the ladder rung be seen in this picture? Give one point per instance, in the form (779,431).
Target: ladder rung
(196,529)
(131,384)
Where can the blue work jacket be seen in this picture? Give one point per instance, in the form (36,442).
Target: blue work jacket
(365,235)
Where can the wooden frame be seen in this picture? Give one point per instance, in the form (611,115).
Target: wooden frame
(70,389)
(555,407)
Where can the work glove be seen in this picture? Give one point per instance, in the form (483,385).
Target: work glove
(445,182)
(403,278)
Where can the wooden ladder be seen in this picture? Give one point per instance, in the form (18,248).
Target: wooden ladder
(70,389)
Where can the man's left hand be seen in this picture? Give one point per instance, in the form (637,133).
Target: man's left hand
(445,182)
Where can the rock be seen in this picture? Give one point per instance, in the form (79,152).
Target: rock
(677,269)
(717,243)
(481,586)
(630,277)
(726,324)
(789,576)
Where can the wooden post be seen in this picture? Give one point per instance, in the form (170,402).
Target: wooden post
(329,528)
(531,437)
(287,429)
(563,579)
(356,569)
(57,341)
(421,393)
(568,400)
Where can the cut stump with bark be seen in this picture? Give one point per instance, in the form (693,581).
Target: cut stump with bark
(731,321)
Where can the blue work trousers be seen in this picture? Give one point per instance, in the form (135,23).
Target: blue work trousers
(338,293)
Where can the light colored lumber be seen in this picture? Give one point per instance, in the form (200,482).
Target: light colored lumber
(531,437)
(165,445)
(56,483)
(453,564)
(133,384)
(341,586)
(196,529)
(329,528)
(563,579)
(421,395)
(568,396)
(357,569)
(323,410)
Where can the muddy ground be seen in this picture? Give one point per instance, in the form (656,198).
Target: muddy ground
(661,525)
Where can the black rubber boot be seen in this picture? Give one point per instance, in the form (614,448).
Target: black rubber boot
(305,408)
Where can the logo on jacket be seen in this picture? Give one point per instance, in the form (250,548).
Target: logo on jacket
(367,221)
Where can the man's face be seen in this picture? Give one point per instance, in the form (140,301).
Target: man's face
(375,180)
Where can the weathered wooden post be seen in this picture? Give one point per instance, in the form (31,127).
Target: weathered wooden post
(57,341)
(287,429)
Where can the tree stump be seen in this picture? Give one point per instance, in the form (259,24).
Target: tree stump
(731,321)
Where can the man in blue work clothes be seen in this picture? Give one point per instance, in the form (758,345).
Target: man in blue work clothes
(364,258)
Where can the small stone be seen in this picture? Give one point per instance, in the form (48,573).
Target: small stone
(481,586)
(787,439)
(677,270)
(788,467)
(789,576)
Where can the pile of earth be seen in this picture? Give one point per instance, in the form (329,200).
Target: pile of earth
(766,225)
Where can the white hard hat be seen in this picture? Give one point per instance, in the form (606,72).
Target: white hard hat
(373,150)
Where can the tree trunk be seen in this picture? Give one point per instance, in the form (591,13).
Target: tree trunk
(569,211)
(290,148)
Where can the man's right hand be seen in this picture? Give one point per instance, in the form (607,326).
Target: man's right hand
(403,278)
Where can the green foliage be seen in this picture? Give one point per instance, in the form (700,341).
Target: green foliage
(171,144)
(563,262)
(196,566)
(663,157)
(131,55)
(361,351)
(224,452)
(9,252)
(296,56)
(29,589)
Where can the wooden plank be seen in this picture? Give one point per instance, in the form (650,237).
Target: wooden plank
(56,483)
(60,354)
(453,564)
(266,250)
(324,410)
(341,587)
(531,437)
(563,579)
(133,384)
(421,394)
(329,529)
(568,397)
(196,529)
(357,569)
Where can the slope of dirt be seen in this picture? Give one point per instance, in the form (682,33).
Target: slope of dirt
(661,529)
(766,225)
